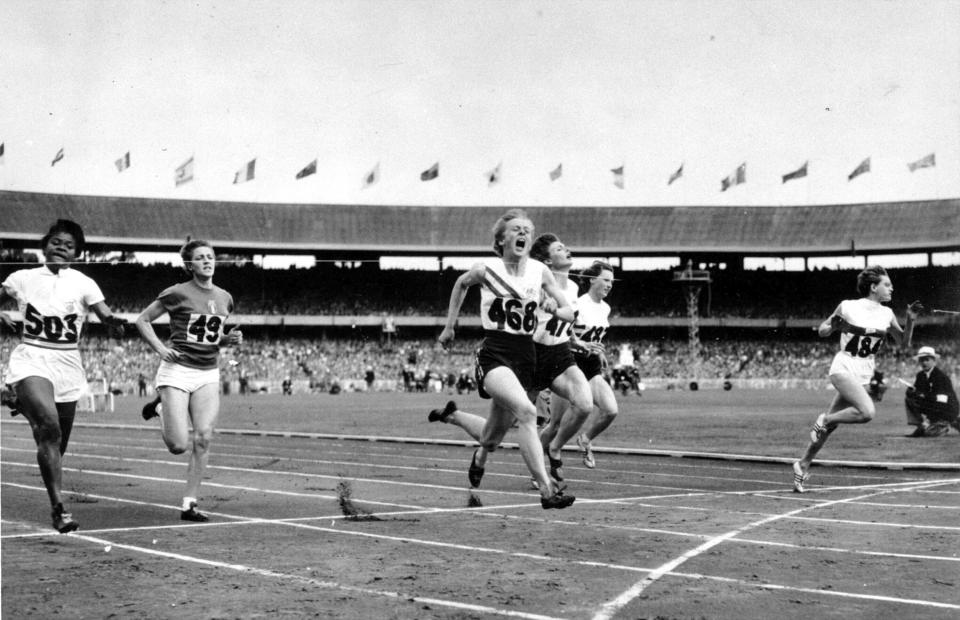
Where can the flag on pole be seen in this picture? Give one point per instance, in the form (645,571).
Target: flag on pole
(676,175)
(1,152)
(246,173)
(926,162)
(430,173)
(556,173)
(617,176)
(737,177)
(796,174)
(309,169)
(123,163)
(184,173)
(372,177)
(493,176)
(863,167)
(57,157)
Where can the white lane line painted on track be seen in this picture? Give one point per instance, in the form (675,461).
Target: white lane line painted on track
(642,501)
(906,526)
(300,522)
(490,511)
(884,554)
(475,549)
(326,585)
(712,456)
(610,608)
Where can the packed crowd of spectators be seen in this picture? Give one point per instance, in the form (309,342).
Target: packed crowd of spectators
(412,364)
(362,288)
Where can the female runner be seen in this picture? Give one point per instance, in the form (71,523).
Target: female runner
(45,369)
(863,324)
(593,321)
(188,379)
(510,295)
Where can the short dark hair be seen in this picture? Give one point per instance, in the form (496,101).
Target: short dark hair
(871,275)
(540,250)
(71,228)
(594,270)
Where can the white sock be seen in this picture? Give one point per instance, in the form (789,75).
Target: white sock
(187,501)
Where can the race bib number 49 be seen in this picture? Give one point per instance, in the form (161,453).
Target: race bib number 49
(204,328)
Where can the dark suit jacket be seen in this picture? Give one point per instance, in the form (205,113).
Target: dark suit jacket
(924,398)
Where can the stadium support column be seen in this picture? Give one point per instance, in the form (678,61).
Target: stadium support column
(692,280)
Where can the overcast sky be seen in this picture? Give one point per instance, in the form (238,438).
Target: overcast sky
(528,85)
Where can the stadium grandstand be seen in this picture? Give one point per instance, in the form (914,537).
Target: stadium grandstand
(324,324)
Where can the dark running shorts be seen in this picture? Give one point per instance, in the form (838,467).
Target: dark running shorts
(590,365)
(552,360)
(513,351)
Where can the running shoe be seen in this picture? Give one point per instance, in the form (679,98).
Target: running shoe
(192,514)
(475,473)
(819,431)
(150,409)
(557,500)
(63,521)
(441,415)
(799,477)
(587,451)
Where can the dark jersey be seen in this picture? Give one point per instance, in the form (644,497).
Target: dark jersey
(197,318)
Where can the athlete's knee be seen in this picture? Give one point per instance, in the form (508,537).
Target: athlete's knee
(177,443)
(582,404)
(202,439)
(609,413)
(868,411)
(176,446)
(47,433)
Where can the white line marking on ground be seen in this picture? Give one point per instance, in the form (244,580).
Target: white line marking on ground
(609,609)
(514,446)
(328,585)
(885,554)
(299,522)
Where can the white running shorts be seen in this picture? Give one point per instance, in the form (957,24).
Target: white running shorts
(860,367)
(185,378)
(61,367)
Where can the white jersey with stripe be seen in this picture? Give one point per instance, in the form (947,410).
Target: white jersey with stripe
(508,303)
(552,330)
(54,305)
(593,319)
(871,316)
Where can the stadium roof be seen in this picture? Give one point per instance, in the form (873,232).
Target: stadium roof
(150,224)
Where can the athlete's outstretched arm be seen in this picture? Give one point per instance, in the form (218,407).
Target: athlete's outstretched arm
(457,295)
(904,335)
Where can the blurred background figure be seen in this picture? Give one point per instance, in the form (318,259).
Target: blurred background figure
(931,401)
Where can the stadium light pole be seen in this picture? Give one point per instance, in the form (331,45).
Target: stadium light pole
(692,280)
